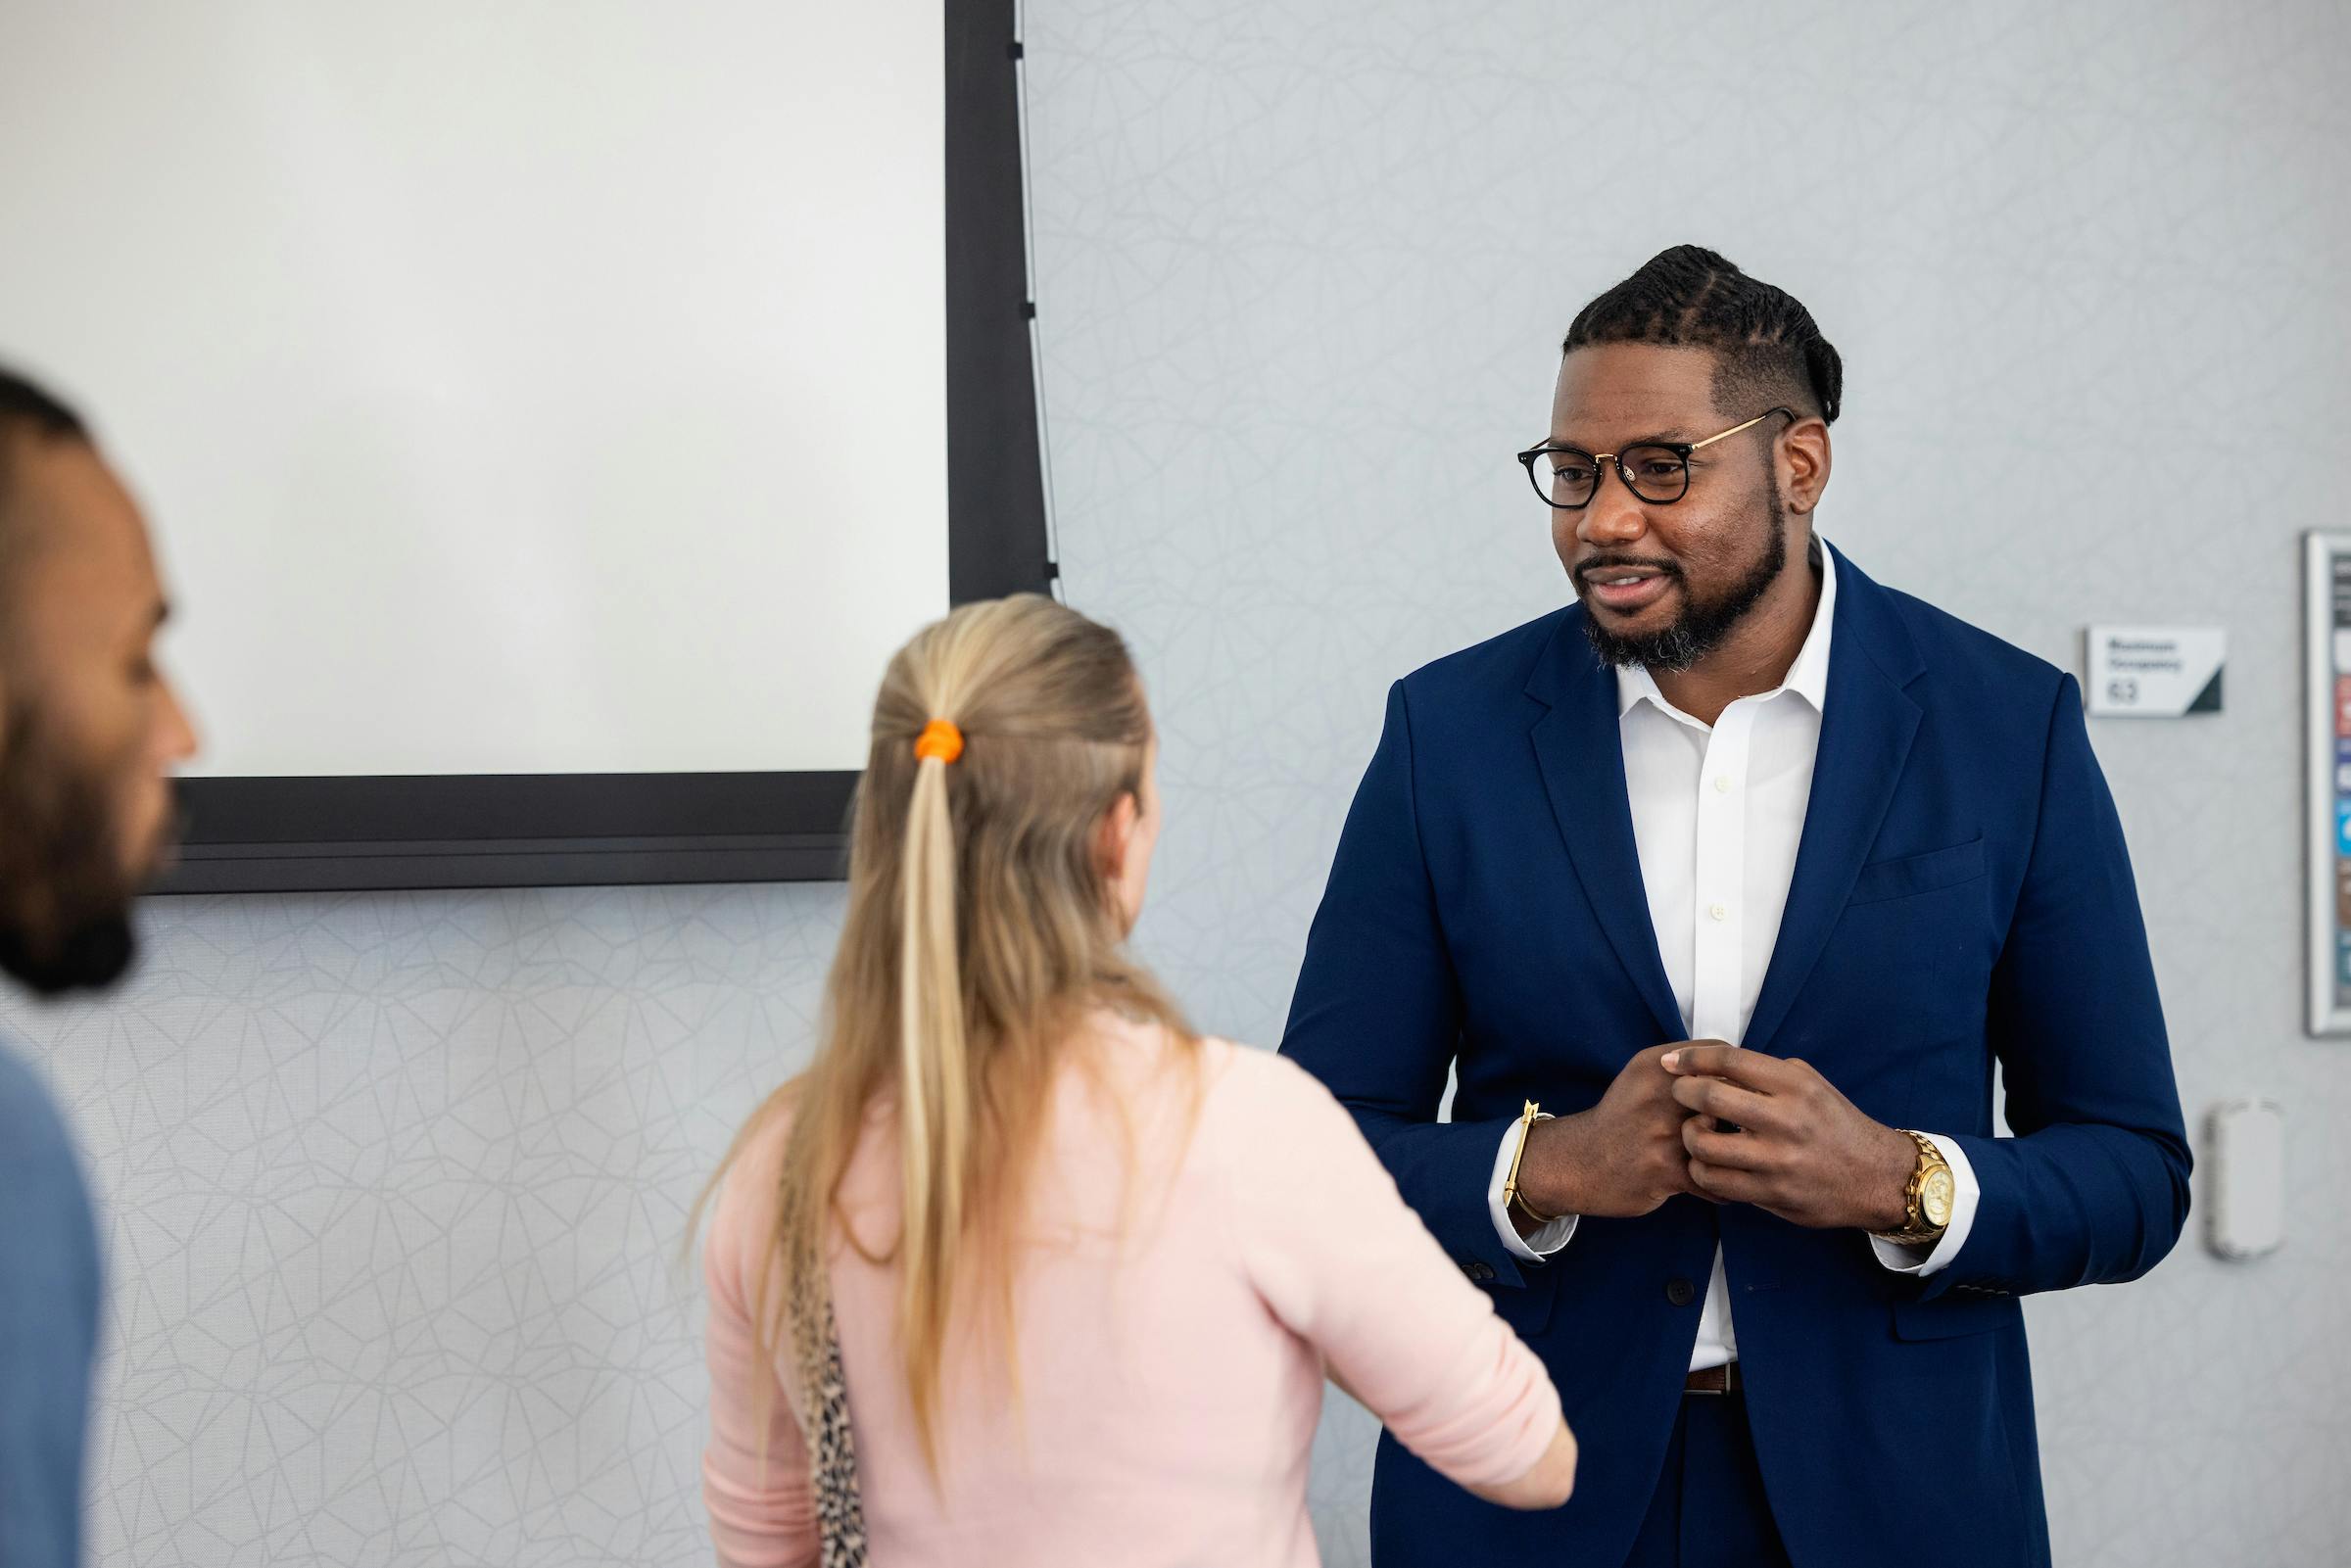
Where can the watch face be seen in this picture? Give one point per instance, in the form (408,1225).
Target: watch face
(1935,1197)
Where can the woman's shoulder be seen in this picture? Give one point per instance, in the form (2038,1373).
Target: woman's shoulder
(1281,1145)
(1236,1080)
(744,1202)
(1261,1105)
(1256,1080)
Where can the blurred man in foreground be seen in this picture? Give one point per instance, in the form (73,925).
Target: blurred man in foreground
(89,731)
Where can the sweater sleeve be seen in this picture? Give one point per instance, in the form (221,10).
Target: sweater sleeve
(761,1513)
(1342,1262)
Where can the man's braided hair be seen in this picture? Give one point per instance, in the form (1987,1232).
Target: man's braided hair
(1768,351)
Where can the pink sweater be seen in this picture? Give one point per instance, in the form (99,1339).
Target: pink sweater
(1171,1366)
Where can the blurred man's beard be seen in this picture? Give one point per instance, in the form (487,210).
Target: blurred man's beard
(65,900)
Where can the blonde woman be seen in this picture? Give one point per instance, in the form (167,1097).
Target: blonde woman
(1022,1271)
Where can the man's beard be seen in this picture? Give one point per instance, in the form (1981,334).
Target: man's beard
(65,901)
(1704,623)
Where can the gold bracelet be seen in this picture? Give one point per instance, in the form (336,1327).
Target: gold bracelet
(1511,1197)
(1528,1210)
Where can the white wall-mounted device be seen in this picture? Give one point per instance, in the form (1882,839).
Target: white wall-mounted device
(2244,1163)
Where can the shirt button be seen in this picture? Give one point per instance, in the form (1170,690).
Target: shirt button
(1720,912)
(1723,784)
(1680,1292)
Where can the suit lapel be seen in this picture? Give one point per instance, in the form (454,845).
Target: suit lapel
(1580,750)
(1867,724)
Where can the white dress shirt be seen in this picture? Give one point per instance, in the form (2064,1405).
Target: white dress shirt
(1717,815)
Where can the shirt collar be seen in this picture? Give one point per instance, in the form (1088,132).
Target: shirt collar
(1808,677)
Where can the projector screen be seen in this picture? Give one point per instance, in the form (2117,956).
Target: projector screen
(517,391)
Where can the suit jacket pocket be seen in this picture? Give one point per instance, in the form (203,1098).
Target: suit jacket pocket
(1913,874)
(1954,1314)
(1526,1306)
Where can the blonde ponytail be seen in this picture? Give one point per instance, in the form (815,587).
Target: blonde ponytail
(980,931)
(935,1120)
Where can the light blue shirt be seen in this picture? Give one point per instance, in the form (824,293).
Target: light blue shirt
(49,1304)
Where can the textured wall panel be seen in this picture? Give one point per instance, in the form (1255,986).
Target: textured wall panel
(392,1183)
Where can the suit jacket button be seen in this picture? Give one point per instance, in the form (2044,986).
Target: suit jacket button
(1483,1272)
(1680,1292)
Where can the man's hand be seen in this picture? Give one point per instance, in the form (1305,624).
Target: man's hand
(1620,1158)
(1803,1152)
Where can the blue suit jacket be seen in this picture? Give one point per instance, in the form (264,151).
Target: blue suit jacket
(1961,894)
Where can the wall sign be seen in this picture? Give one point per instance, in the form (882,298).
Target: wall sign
(2327,777)
(2154,672)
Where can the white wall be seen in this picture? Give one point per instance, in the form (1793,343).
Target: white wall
(390,1176)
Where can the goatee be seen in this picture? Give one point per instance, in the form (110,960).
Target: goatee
(1704,623)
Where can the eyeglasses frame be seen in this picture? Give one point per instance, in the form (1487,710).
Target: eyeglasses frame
(1680,449)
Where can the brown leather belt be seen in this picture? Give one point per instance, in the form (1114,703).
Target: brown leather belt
(1714,1380)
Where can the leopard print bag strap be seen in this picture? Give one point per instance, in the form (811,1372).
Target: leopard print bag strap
(831,1446)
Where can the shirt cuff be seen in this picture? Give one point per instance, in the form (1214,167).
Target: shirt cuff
(1542,1243)
(1966,1192)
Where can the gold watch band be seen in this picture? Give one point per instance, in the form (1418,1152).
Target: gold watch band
(1915,1229)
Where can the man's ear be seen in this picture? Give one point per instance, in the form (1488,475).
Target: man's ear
(1805,464)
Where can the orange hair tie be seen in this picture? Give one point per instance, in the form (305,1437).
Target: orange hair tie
(939,738)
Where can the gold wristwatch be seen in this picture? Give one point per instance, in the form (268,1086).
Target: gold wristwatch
(1929,1197)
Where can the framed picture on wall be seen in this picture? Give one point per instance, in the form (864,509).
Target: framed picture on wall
(2326,697)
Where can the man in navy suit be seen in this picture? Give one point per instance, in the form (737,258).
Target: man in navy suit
(1720,893)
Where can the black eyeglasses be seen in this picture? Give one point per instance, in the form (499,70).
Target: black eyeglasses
(1657,471)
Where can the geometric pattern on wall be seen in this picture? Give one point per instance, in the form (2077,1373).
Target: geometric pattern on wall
(394,1195)
(394,1183)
